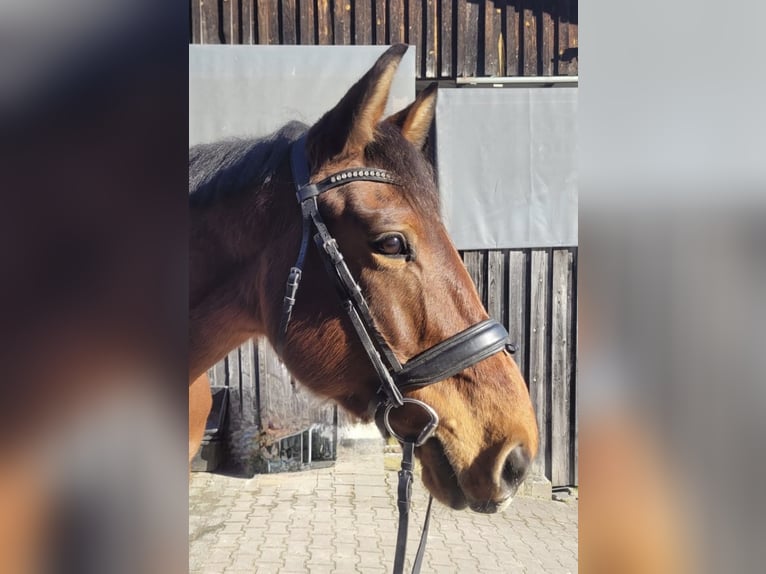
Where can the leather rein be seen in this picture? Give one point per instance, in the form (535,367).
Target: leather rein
(440,362)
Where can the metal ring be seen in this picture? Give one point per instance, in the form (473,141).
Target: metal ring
(426,433)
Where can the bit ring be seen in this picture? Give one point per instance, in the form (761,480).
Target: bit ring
(425,434)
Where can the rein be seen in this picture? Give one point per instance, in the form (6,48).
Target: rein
(440,362)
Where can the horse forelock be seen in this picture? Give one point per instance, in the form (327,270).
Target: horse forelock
(389,150)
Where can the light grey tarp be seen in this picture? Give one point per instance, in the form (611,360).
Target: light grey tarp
(506,157)
(254,90)
(507,166)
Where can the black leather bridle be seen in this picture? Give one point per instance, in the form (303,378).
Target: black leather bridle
(440,362)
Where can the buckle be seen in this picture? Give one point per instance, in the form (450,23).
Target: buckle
(307,192)
(331,248)
(294,277)
(293,280)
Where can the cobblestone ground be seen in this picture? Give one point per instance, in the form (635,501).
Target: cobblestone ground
(343,519)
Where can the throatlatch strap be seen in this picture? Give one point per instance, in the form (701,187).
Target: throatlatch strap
(294,278)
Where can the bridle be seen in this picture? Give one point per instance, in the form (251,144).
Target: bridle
(440,362)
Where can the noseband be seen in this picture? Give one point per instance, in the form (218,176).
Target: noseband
(440,362)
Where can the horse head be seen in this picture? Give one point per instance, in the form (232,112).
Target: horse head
(419,294)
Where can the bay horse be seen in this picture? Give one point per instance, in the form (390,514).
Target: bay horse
(414,293)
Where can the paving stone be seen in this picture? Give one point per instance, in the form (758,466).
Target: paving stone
(250,564)
(343,519)
(272,555)
(295,563)
(345,552)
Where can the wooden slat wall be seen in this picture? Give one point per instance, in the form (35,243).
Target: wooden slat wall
(453,38)
(537,377)
(562,400)
(265,403)
(533,293)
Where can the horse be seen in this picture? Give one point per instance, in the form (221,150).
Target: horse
(383,240)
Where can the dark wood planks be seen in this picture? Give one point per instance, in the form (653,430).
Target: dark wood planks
(494,46)
(475,262)
(268,21)
(247,11)
(342,22)
(396,20)
(194,22)
(452,38)
(568,19)
(431,41)
(562,399)
(467,38)
(539,288)
(289,23)
(528,39)
(414,32)
(234,383)
(282,408)
(497,285)
(363,24)
(381,22)
(447,38)
(548,37)
(307,34)
(324,22)
(217,375)
(513,25)
(209,30)
(285,407)
(249,382)
(562,40)
(574,411)
(517,304)
(230,22)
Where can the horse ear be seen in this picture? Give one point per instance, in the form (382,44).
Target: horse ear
(415,120)
(350,125)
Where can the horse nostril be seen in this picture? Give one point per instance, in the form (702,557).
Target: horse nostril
(515,468)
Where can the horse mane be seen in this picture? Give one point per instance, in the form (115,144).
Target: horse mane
(233,165)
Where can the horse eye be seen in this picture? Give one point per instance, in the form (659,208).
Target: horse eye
(391,245)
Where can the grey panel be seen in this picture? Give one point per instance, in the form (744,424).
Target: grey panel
(507,166)
(254,90)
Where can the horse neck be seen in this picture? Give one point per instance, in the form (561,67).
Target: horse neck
(238,248)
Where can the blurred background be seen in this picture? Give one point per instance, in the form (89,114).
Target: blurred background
(93,108)
(672,197)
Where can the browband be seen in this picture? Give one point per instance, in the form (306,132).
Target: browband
(343,177)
